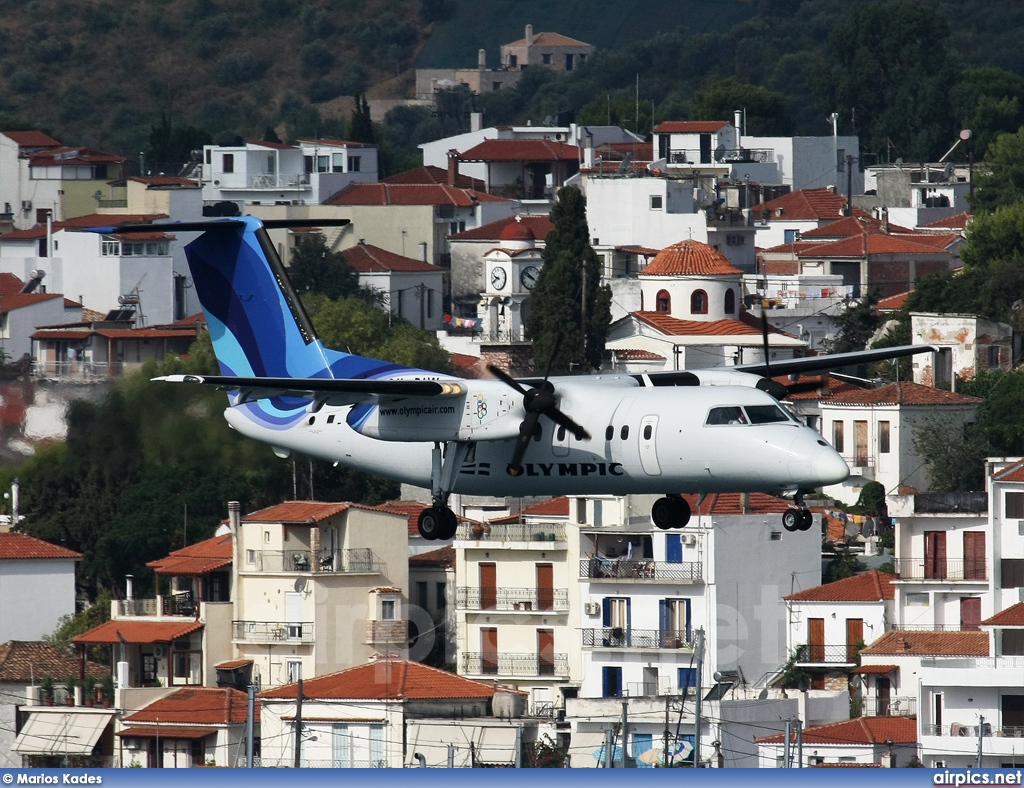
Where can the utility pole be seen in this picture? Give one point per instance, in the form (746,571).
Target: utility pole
(799,744)
(519,748)
(609,743)
(981,731)
(625,732)
(451,756)
(250,718)
(298,723)
(849,183)
(699,659)
(664,746)
(785,746)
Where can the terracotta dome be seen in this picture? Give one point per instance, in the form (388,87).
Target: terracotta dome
(690,258)
(517,231)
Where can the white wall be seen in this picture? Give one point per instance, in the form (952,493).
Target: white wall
(46,587)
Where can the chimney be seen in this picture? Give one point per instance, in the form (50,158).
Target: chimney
(476,121)
(737,121)
(481,60)
(453,167)
(129,587)
(744,503)
(885,220)
(529,35)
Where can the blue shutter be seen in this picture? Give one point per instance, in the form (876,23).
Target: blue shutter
(611,680)
(606,611)
(688,625)
(687,678)
(342,747)
(663,622)
(629,621)
(674,548)
(377,747)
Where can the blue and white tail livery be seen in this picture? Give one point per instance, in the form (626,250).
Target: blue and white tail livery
(662,433)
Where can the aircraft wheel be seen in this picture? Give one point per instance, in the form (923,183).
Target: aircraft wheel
(806,519)
(791,520)
(450,524)
(431,523)
(670,512)
(682,511)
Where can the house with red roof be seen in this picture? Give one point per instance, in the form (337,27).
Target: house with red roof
(525,169)
(968,344)
(194,726)
(40,177)
(258,172)
(392,713)
(410,288)
(862,741)
(691,315)
(37,576)
(551,51)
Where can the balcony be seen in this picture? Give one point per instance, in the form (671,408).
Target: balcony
(618,637)
(512,532)
(945,571)
(76,370)
(387,632)
(530,665)
(820,654)
(181,603)
(656,571)
(512,599)
(272,632)
(899,706)
(358,561)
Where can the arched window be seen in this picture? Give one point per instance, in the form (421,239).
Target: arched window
(730,301)
(699,303)
(663,302)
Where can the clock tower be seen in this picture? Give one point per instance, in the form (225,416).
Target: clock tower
(511,271)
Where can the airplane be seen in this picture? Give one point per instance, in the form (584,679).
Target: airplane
(667,433)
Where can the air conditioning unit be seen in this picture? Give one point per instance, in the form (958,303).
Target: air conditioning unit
(216,183)
(158,651)
(690,539)
(592,608)
(26,205)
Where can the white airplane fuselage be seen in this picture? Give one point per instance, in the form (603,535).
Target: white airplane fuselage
(644,439)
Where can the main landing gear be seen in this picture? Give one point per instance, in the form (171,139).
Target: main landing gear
(799,518)
(672,511)
(438,521)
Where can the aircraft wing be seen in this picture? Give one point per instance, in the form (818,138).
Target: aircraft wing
(348,390)
(795,366)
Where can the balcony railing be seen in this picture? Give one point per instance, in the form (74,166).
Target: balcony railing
(521,599)
(900,706)
(606,568)
(273,631)
(513,532)
(181,603)
(972,731)
(951,569)
(134,607)
(726,155)
(324,763)
(820,654)
(76,370)
(387,632)
(479,664)
(358,561)
(619,637)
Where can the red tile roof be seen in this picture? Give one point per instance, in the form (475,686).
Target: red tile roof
(872,586)
(849,226)
(137,632)
(806,204)
(409,194)
(876,670)
(15,301)
(541,225)
(233,663)
(958,221)
(1013,473)
(635,354)
(271,145)
(10,284)
(690,126)
(930,644)
(640,151)
(468,366)
(732,503)
(52,157)
(828,386)
(297,512)
(1012,616)
(196,706)
(367,259)
(862,730)
(31,139)
(690,258)
(196,559)
(84,222)
(901,394)
(673,326)
(556,507)
(431,174)
(442,557)
(15,546)
(410,510)
(386,679)
(521,150)
(165,731)
(549,40)
(27,661)
(877,243)
(894,302)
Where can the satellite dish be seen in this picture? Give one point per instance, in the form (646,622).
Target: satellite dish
(947,171)
(719,152)
(899,162)
(98,195)
(300,585)
(965,135)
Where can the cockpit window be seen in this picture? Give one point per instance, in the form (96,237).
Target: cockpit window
(731,414)
(766,414)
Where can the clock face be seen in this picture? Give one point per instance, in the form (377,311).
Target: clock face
(528,278)
(498,277)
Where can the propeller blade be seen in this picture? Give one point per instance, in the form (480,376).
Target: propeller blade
(764,337)
(505,378)
(564,421)
(526,432)
(554,354)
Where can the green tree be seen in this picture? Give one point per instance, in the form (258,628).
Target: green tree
(1001,415)
(1001,184)
(70,626)
(569,300)
(954,453)
(315,268)
(989,101)
(764,110)
(892,63)
(361,127)
(842,564)
(855,325)
(171,146)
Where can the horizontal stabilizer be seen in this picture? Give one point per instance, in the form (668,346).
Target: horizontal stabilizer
(318,388)
(795,366)
(212,224)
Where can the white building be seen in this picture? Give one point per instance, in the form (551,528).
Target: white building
(864,741)
(968,344)
(36,576)
(410,288)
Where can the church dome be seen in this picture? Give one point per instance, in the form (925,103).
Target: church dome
(690,258)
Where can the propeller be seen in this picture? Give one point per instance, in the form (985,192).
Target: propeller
(537,401)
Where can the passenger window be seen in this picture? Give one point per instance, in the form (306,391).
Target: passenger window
(624,432)
(648,431)
(726,415)
(561,434)
(766,414)
(609,433)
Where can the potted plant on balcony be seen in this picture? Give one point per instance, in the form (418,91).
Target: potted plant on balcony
(46,685)
(69,685)
(88,691)
(107,686)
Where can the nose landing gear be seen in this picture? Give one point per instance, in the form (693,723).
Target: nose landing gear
(672,511)
(799,518)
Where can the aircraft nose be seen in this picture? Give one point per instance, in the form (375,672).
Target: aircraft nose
(831,468)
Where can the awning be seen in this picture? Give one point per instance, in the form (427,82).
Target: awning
(492,745)
(167,732)
(137,632)
(876,669)
(60,732)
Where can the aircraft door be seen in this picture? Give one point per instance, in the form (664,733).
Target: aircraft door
(647,435)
